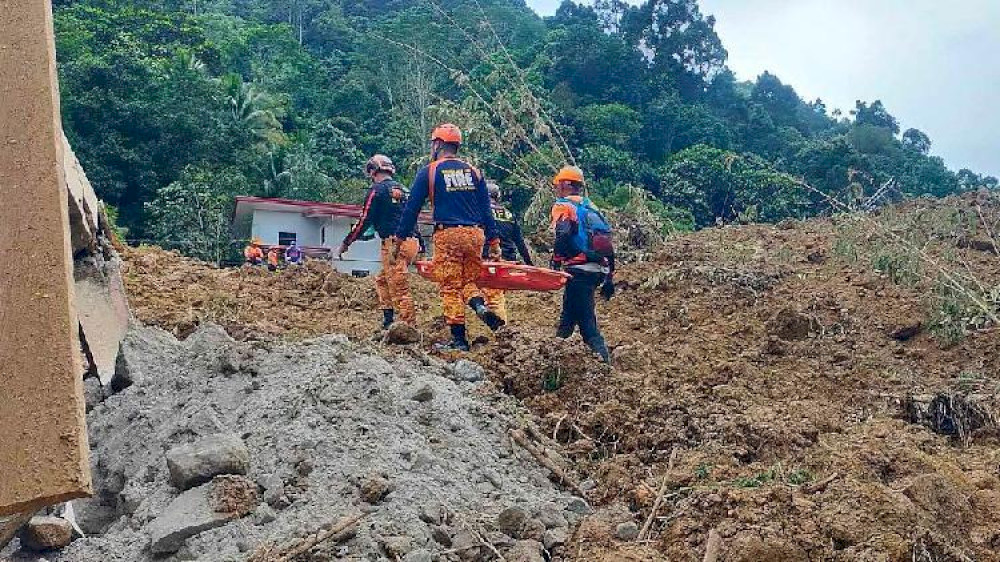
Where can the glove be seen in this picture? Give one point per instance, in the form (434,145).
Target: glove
(608,289)
(495,252)
(342,251)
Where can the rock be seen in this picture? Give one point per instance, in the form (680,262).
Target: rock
(433,514)
(468,371)
(397,546)
(43,533)
(423,394)
(93,392)
(274,491)
(555,537)
(264,515)
(526,551)
(94,515)
(627,531)
(579,506)
(790,325)
(441,535)
(512,521)
(375,488)
(500,540)
(401,333)
(199,509)
(907,331)
(588,485)
(467,546)
(534,530)
(551,516)
(419,555)
(196,463)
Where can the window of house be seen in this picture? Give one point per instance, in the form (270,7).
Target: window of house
(322,236)
(286,238)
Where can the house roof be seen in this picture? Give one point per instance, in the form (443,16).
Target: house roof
(310,209)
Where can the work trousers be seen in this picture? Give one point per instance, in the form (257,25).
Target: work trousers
(391,283)
(579,309)
(457,261)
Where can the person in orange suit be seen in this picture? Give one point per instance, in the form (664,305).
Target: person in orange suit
(463,222)
(382,209)
(273,258)
(253,254)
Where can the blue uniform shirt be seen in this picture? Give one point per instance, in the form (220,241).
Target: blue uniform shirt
(460,198)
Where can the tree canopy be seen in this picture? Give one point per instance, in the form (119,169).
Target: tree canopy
(176,106)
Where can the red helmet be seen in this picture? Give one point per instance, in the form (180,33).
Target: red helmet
(379,163)
(447,133)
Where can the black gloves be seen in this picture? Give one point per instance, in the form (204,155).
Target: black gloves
(608,289)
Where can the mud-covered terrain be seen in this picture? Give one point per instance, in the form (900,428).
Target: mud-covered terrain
(817,390)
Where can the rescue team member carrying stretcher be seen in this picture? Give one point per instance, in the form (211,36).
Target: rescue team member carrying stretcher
(584,249)
(382,209)
(463,222)
(511,242)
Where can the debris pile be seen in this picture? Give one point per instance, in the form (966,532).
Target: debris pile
(218,450)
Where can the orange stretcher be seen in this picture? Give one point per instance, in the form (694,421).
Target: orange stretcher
(509,276)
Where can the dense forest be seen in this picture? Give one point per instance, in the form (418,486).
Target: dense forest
(176,106)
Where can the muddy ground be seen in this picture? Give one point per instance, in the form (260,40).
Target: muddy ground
(809,391)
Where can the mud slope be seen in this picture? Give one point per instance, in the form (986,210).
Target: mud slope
(806,379)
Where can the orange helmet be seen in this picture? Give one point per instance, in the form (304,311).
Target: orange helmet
(379,163)
(568,173)
(447,133)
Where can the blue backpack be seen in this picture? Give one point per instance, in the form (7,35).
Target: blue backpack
(593,237)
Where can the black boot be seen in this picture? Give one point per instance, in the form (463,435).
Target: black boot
(599,347)
(388,317)
(458,342)
(484,313)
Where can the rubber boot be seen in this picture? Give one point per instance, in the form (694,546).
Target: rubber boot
(458,342)
(490,318)
(388,317)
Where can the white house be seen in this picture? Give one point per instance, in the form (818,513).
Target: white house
(318,228)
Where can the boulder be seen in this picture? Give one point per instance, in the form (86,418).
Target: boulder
(198,462)
(468,371)
(627,531)
(423,394)
(375,488)
(512,521)
(199,509)
(401,333)
(46,533)
(555,537)
(551,516)
(467,546)
(526,551)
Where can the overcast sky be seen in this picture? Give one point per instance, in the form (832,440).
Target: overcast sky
(934,64)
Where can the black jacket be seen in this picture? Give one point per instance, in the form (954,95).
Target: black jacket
(511,238)
(381,212)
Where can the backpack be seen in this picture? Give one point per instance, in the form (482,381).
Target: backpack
(593,235)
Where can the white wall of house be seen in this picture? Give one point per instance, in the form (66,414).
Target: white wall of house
(267,224)
(328,232)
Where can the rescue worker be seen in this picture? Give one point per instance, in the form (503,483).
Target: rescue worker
(511,243)
(293,254)
(463,222)
(273,258)
(382,209)
(253,254)
(588,268)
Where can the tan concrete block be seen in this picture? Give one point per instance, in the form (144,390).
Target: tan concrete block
(43,445)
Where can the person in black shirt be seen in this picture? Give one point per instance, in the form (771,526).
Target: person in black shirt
(511,244)
(380,214)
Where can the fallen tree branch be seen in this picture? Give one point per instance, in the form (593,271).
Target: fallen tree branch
(288,551)
(521,439)
(821,485)
(659,496)
(713,547)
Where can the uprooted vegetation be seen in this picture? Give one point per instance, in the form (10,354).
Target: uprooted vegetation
(820,390)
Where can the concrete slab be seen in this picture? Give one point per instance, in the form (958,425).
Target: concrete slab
(43,445)
(103,311)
